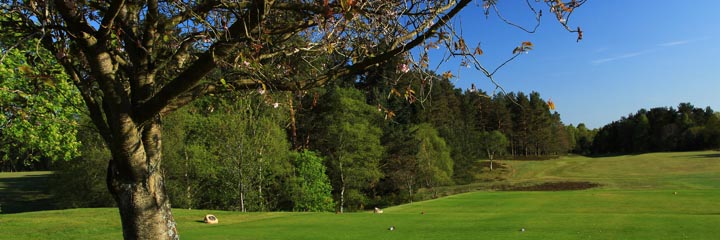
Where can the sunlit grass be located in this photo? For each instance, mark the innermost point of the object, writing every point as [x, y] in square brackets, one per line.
[650, 196]
[671, 171]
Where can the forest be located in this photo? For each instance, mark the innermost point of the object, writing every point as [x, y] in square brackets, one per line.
[661, 129]
[349, 145]
[263, 151]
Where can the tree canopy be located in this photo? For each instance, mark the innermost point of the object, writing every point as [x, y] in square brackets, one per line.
[40, 110]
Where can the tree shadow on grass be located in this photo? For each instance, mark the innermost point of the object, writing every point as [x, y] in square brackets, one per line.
[25, 194]
[705, 155]
[712, 155]
[551, 186]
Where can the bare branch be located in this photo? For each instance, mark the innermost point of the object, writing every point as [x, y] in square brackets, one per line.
[205, 63]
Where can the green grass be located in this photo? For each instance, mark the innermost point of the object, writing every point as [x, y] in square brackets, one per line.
[24, 191]
[666, 171]
[637, 201]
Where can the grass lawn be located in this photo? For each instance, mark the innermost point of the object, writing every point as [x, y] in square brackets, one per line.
[24, 191]
[637, 200]
[662, 171]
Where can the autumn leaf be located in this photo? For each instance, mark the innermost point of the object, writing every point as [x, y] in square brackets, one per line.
[517, 50]
[524, 47]
[389, 115]
[551, 104]
[424, 61]
[447, 75]
[478, 51]
[410, 95]
[394, 91]
[460, 45]
[442, 35]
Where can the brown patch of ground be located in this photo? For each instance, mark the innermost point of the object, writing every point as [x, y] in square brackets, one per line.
[533, 158]
[550, 186]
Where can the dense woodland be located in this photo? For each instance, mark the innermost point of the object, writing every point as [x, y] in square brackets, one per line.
[660, 129]
[375, 145]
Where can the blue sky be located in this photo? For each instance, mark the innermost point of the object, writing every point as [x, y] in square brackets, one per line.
[635, 54]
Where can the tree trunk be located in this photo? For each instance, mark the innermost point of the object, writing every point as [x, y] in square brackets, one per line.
[241, 189]
[342, 198]
[490, 156]
[188, 190]
[410, 190]
[135, 181]
[342, 188]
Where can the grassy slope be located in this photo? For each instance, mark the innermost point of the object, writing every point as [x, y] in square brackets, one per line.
[665, 171]
[635, 202]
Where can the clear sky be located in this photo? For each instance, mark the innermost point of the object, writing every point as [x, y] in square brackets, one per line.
[635, 54]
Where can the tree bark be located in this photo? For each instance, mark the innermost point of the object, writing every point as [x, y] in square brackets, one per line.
[490, 156]
[135, 181]
[342, 189]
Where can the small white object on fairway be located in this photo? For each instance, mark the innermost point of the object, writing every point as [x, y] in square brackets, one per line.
[391, 228]
[210, 219]
[522, 229]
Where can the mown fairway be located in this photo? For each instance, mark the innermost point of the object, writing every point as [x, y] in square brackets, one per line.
[637, 200]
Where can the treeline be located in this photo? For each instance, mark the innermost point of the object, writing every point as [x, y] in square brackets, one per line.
[686, 128]
[345, 147]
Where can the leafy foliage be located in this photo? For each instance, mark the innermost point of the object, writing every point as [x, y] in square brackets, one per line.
[229, 153]
[435, 167]
[311, 189]
[40, 110]
[349, 138]
[493, 142]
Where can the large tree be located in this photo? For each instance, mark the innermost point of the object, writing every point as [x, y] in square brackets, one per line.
[349, 138]
[134, 61]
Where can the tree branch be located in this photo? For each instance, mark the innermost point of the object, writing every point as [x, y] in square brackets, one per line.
[108, 21]
[193, 92]
[201, 67]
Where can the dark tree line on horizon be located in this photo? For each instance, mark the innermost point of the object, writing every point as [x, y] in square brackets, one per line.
[660, 129]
